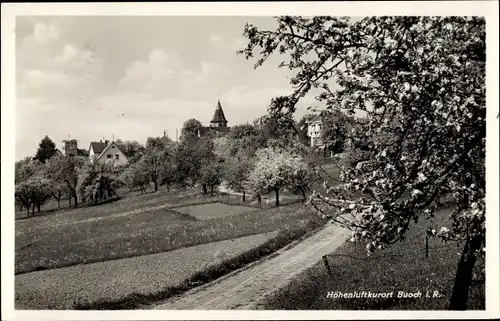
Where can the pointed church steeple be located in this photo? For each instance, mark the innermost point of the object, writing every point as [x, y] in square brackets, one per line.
[219, 120]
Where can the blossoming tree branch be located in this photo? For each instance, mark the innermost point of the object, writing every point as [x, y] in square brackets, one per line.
[420, 84]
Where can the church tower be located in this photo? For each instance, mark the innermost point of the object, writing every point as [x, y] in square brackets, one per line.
[219, 120]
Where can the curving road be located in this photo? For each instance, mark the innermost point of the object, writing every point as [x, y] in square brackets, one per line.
[244, 289]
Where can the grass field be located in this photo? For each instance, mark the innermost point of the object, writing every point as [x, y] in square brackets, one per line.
[214, 210]
[139, 226]
[402, 267]
[163, 243]
[116, 280]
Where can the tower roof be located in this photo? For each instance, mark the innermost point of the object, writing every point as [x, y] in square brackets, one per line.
[219, 114]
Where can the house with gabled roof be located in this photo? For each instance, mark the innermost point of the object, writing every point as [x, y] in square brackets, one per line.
[102, 152]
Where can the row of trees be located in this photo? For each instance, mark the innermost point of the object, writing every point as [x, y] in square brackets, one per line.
[36, 182]
[259, 158]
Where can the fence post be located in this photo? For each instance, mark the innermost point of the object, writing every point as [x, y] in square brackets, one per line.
[427, 246]
[325, 260]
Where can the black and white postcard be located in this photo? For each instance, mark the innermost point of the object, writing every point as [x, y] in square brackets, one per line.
[250, 160]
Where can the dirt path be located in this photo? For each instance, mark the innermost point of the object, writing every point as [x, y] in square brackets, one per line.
[245, 289]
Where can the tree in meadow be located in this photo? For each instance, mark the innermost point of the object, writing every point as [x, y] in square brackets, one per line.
[46, 149]
[194, 160]
[210, 174]
[87, 177]
[225, 147]
[35, 191]
[136, 175]
[236, 172]
[206, 164]
[26, 168]
[238, 156]
[31, 180]
[168, 168]
[65, 170]
[22, 196]
[20, 168]
[421, 83]
[152, 162]
[275, 169]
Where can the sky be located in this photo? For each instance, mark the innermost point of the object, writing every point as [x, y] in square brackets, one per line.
[96, 77]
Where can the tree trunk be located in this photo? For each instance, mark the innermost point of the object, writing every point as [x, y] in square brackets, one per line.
[168, 187]
[463, 277]
[277, 197]
[76, 198]
[155, 183]
[70, 198]
[205, 192]
[303, 193]
[33, 210]
[259, 198]
[38, 207]
[28, 210]
[244, 197]
[211, 190]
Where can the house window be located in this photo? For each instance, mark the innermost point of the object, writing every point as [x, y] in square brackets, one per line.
[109, 156]
[117, 156]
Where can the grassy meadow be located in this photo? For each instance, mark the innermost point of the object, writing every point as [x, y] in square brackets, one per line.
[117, 280]
[402, 267]
[82, 258]
[139, 226]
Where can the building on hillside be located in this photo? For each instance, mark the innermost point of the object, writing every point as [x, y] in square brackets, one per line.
[102, 152]
[218, 124]
[70, 148]
[314, 131]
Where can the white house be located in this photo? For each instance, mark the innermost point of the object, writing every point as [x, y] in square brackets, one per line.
[314, 129]
[102, 152]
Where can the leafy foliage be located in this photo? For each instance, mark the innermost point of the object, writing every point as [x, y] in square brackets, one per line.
[154, 143]
[336, 128]
[34, 191]
[133, 151]
[276, 168]
[189, 130]
[135, 175]
[46, 149]
[26, 168]
[65, 170]
[151, 162]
